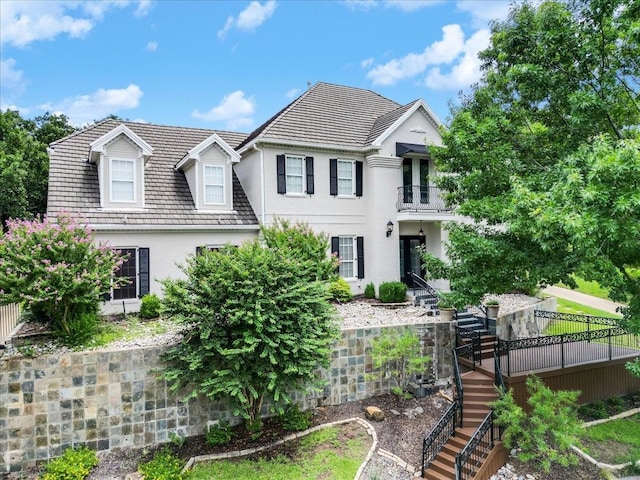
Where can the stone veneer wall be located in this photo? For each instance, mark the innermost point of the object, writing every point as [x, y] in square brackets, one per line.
[111, 399]
[518, 320]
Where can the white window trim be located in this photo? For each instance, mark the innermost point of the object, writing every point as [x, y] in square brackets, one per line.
[353, 178]
[205, 184]
[303, 191]
[135, 183]
[354, 261]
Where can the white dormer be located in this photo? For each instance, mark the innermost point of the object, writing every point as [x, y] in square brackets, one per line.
[120, 156]
[208, 170]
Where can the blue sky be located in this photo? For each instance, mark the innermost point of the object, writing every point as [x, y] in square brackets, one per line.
[232, 65]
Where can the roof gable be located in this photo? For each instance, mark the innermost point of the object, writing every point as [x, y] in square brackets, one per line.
[194, 153]
[98, 146]
[395, 119]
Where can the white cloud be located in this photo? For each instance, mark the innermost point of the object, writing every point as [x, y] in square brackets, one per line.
[483, 12]
[466, 71]
[441, 51]
[152, 46]
[11, 77]
[411, 5]
[361, 4]
[367, 62]
[222, 33]
[293, 93]
[84, 109]
[234, 109]
[143, 8]
[250, 18]
[24, 22]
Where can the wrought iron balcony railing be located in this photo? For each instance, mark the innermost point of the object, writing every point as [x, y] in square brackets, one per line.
[420, 198]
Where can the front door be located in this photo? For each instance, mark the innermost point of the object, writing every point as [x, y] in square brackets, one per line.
[410, 260]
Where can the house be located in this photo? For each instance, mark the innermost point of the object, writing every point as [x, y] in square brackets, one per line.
[347, 161]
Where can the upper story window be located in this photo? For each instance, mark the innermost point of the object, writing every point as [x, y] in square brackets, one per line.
[214, 185]
[123, 180]
[345, 177]
[295, 174]
[346, 184]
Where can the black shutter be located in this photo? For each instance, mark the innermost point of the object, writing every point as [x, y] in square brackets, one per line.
[105, 297]
[358, 179]
[143, 262]
[333, 176]
[309, 168]
[199, 250]
[360, 250]
[282, 179]
[335, 249]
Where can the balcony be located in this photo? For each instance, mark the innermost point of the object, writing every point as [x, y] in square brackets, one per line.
[420, 199]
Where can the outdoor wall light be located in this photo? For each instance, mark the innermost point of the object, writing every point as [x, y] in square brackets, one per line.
[421, 232]
[389, 228]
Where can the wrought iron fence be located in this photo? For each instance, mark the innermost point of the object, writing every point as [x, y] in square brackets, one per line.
[440, 435]
[476, 449]
[471, 338]
[420, 197]
[566, 349]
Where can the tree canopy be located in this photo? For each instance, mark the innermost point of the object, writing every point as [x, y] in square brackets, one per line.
[544, 155]
[24, 163]
[258, 319]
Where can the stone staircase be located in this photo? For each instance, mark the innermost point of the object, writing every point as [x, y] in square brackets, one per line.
[478, 393]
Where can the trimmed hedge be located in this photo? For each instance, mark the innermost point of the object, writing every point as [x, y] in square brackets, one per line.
[392, 292]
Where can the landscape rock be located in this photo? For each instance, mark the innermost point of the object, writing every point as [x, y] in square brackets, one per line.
[374, 413]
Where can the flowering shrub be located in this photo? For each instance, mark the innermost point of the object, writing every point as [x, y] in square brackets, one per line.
[55, 270]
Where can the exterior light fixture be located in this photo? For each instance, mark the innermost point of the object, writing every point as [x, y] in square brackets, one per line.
[421, 232]
[389, 228]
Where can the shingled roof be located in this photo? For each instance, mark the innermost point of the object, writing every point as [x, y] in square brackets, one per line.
[73, 182]
[329, 114]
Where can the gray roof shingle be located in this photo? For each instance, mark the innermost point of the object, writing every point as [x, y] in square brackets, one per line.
[327, 114]
[73, 182]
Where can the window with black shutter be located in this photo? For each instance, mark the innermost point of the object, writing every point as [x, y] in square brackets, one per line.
[350, 252]
[294, 174]
[135, 270]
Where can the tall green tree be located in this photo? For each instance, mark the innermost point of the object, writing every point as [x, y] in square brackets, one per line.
[258, 319]
[542, 155]
[24, 163]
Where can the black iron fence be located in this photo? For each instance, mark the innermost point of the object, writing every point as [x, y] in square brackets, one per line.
[420, 197]
[573, 340]
[440, 434]
[477, 449]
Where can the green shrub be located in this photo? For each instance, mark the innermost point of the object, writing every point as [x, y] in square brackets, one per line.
[218, 434]
[596, 410]
[397, 355]
[293, 419]
[340, 290]
[150, 306]
[545, 435]
[392, 292]
[81, 328]
[370, 291]
[164, 466]
[74, 464]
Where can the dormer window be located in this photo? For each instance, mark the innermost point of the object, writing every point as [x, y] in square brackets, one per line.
[120, 156]
[207, 168]
[123, 180]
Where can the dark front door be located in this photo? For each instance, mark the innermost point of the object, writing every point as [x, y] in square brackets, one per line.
[409, 258]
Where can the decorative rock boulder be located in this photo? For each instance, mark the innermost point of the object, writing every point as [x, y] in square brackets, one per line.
[374, 413]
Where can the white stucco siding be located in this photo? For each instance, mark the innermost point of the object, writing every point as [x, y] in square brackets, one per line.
[167, 250]
[249, 174]
[416, 129]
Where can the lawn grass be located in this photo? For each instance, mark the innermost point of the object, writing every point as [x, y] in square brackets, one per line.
[567, 306]
[321, 455]
[624, 432]
[590, 288]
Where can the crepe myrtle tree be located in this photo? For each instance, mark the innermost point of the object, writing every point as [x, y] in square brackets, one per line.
[259, 323]
[55, 269]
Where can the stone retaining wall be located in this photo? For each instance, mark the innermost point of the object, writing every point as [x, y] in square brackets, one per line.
[111, 399]
[514, 325]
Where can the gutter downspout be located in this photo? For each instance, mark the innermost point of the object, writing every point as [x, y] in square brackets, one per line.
[262, 190]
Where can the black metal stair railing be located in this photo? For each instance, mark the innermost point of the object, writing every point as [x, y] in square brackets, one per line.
[446, 427]
[476, 450]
